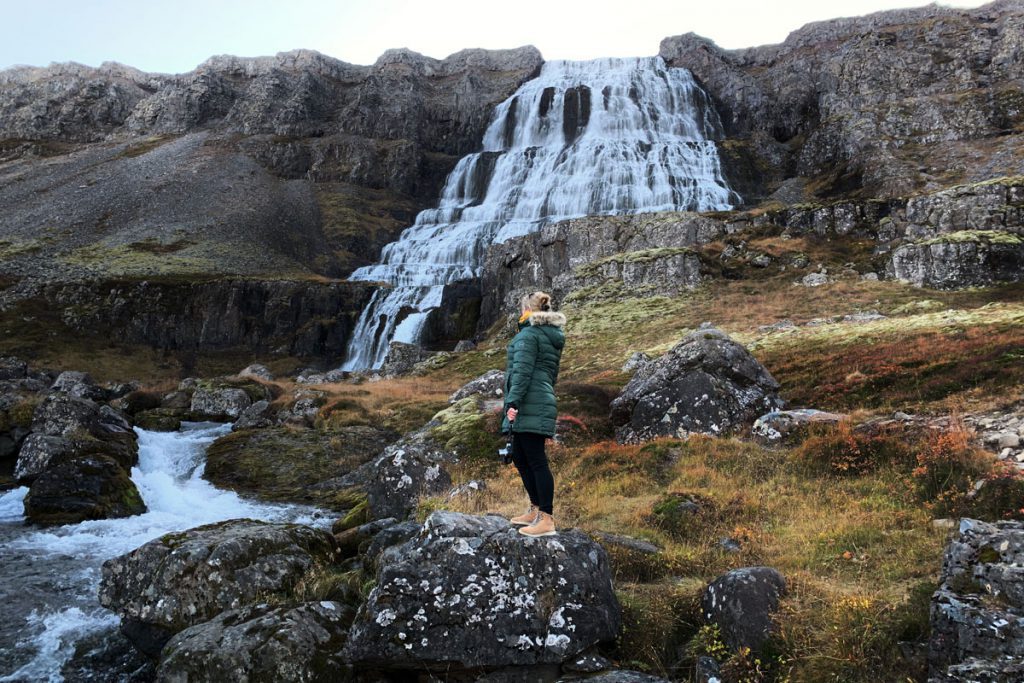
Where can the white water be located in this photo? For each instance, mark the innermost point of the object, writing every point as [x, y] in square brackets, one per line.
[647, 144]
[51, 576]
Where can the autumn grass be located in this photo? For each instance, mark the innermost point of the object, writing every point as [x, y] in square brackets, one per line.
[857, 540]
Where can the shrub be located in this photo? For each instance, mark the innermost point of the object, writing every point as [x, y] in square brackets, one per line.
[948, 464]
[842, 449]
[1001, 495]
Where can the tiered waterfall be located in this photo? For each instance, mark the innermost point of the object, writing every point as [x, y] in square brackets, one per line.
[608, 136]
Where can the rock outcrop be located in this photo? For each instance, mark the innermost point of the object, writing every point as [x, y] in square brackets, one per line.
[707, 384]
[961, 259]
[261, 643]
[470, 593]
[977, 614]
[187, 578]
[883, 104]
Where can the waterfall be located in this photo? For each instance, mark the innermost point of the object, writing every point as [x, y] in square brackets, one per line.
[607, 136]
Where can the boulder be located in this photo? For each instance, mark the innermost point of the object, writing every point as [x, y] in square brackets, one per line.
[258, 415]
[303, 410]
[410, 468]
[177, 400]
[636, 360]
[402, 358]
[160, 419]
[471, 593]
[257, 371]
[777, 425]
[82, 488]
[12, 368]
[741, 603]
[706, 384]
[977, 614]
[60, 414]
[186, 578]
[491, 384]
[36, 454]
[80, 385]
[261, 643]
[289, 465]
[220, 404]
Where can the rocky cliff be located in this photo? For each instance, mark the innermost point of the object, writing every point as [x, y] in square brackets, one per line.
[295, 163]
[884, 104]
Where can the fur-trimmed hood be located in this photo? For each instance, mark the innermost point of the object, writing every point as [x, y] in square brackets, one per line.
[547, 318]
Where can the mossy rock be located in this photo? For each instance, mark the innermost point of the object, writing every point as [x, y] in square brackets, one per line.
[160, 420]
[82, 488]
[285, 464]
[981, 236]
[18, 415]
[466, 429]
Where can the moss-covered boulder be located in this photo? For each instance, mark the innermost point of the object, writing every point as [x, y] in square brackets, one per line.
[82, 488]
[287, 464]
[160, 419]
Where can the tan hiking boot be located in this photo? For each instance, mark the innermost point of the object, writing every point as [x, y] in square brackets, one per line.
[527, 518]
[544, 526]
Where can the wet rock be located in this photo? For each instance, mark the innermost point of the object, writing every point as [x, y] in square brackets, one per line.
[37, 452]
[706, 384]
[491, 384]
[779, 424]
[187, 578]
[160, 419]
[471, 592]
[257, 371]
[82, 488]
[586, 664]
[220, 404]
[977, 614]
[261, 643]
[741, 603]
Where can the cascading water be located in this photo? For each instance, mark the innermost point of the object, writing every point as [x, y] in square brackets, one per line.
[50, 578]
[608, 136]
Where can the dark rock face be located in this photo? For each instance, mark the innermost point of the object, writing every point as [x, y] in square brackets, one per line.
[961, 259]
[977, 614]
[842, 99]
[471, 593]
[706, 384]
[287, 644]
[295, 317]
[84, 487]
[646, 253]
[741, 603]
[186, 578]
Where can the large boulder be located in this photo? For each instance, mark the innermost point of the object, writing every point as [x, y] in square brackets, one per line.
[741, 604]
[221, 404]
[79, 384]
[471, 593]
[413, 467]
[65, 425]
[82, 488]
[490, 385]
[961, 259]
[261, 643]
[977, 614]
[186, 578]
[706, 384]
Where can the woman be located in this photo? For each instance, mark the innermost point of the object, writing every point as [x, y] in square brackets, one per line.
[530, 411]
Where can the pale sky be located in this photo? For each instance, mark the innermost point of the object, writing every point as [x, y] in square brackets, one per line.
[175, 36]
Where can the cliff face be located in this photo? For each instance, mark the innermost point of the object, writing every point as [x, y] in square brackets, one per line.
[309, 163]
[881, 105]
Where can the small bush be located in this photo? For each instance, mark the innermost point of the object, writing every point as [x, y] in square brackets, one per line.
[948, 464]
[1001, 495]
[842, 449]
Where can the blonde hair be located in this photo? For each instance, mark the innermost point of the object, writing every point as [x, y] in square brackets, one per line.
[538, 301]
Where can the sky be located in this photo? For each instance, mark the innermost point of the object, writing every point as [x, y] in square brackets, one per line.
[174, 36]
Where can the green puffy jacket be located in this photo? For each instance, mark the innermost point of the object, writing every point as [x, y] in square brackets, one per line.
[531, 370]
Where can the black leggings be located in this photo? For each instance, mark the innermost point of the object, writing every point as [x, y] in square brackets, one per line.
[532, 463]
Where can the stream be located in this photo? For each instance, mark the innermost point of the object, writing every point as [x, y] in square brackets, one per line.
[49, 577]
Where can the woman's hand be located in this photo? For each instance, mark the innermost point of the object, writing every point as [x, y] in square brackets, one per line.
[511, 414]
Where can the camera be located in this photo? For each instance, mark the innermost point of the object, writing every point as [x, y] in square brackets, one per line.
[505, 453]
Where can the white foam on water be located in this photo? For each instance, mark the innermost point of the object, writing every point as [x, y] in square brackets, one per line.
[169, 478]
[600, 137]
[56, 644]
